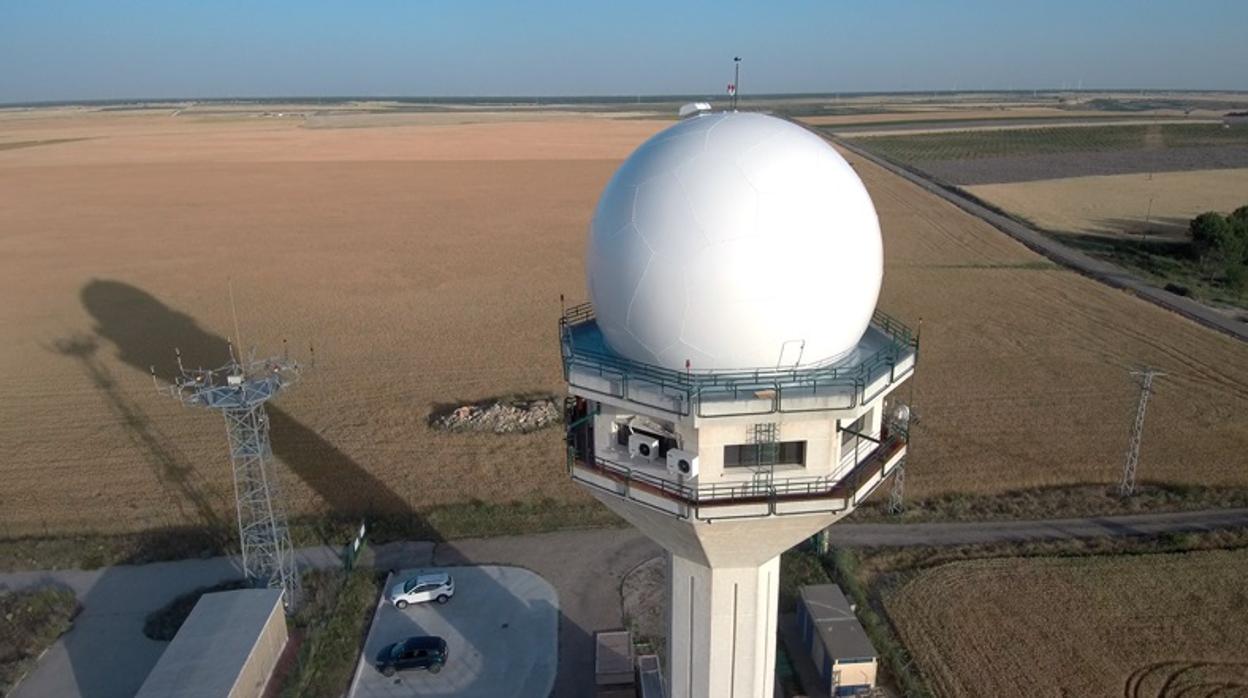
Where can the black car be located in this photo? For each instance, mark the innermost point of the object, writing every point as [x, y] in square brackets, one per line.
[423, 652]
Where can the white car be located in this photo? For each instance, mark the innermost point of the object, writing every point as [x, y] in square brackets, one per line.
[427, 586]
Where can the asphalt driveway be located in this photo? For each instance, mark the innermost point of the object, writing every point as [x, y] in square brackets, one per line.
[501, 630]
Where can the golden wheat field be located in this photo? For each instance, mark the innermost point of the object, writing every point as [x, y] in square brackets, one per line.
[425, 263]
[1149, 203]
[1139, 626]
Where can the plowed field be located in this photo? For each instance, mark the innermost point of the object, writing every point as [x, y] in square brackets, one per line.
[1138, 626]
[426, 263]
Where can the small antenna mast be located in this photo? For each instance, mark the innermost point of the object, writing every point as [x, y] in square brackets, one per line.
[736, 80]
[238, 337]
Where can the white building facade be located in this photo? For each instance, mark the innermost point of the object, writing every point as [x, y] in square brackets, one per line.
[773, 458]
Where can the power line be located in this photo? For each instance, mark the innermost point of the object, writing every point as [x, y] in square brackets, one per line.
[897, 496]
[1146, 375]
[907, 417]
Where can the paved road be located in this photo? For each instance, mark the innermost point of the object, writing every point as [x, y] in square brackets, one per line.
[1000, 124]
[1043, 244]
[1004, 531]
[107, 655]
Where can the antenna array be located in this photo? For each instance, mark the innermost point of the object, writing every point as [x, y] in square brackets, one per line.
[239, 390]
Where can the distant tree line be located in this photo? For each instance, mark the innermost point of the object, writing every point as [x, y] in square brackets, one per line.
[1220, 244]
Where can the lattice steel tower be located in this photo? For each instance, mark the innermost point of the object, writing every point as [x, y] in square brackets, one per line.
[239, 390]
[1146, 375]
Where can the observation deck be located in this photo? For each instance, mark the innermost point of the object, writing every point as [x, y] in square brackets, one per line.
[824, 479]
[886, 354]
[708, 502]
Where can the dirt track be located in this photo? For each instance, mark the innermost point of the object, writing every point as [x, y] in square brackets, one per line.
[426, 264]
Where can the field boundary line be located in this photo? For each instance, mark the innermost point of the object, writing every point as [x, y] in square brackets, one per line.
[1035, 240]
[1002, 531]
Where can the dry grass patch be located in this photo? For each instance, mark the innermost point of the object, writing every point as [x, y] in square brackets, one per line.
[30, 621]
[1143, 625]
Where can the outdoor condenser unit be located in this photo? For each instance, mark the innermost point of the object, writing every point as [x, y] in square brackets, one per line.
[643, 446]
[682, 463]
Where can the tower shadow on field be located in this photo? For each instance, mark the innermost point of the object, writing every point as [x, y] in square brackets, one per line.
[170, 465]
[145, 332]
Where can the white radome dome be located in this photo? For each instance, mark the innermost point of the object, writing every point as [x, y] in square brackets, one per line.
[733, 241]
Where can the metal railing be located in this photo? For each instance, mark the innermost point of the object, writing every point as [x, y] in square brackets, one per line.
[690, 385]
[746, 492]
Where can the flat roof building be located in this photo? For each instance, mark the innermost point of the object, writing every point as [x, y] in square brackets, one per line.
[838, 645]
[227, 648]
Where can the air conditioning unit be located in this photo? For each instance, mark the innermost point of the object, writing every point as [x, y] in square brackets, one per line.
[694, 108]
[682, 463]
[643, 446]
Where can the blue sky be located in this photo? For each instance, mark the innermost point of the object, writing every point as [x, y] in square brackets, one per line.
[75, 49]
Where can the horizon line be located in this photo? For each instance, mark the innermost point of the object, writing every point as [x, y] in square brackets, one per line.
[641, 98]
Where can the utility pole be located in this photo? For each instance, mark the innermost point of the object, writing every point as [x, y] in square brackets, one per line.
[1148, 215]
[1146, 375]
[906, 419]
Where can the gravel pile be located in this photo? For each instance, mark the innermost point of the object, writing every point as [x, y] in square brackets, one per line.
[501, 417]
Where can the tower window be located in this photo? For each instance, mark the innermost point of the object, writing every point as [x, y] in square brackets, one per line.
[754, 455]
[858, 426]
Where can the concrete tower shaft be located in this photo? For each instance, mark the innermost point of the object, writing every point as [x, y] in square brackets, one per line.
[723, 596]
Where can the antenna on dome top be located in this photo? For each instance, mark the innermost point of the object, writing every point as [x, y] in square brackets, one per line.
[735, 87]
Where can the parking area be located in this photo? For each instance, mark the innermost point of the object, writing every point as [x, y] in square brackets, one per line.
[501, 630]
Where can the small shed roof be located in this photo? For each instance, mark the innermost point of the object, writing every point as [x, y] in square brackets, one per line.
[614, 656]
[212, 646]
[839, 630]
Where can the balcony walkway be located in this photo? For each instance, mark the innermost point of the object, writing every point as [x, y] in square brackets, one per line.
[844, 491]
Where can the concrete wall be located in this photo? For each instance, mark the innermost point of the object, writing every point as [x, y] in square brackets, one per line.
[258, 669]
[721, 634]
[855, 674]
[816, 430]
[227, 647]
